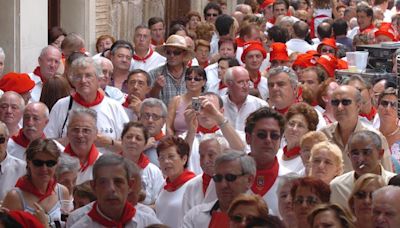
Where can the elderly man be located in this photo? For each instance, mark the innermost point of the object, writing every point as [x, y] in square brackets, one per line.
[298, 43]
[364, 150]
[2, 59]
[49, 61]
[105, 78]
[111, 116]
[168, 80]
[157, 31]
[11, 168]
[386, 207]
[234, 174]
[238, 104]
[144, 57]
[346, 105]
[112, 182]
[11, 109]
[138, 86]
[120, 55]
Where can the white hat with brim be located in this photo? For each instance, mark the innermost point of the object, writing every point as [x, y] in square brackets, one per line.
[176, 41]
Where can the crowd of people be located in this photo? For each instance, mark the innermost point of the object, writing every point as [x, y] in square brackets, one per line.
[233, 119]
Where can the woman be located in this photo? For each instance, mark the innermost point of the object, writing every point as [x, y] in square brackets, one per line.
[67, 172]
[360, 200]
[246, 209]
[173, 155]
[326, 161]
[285, 202]
[104, 42]
[56, 36]
[39, 185]
[193, 19]
[307, 193]
[389, 123]
[306, 144]
[300, 119]
[134, 139]
[202, 52]
[54, 88]
[330, 215]
[195, 79]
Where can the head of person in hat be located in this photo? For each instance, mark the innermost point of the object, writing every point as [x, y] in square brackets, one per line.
[20, 83]
[279, 55]
[176, 50]
[327, 46]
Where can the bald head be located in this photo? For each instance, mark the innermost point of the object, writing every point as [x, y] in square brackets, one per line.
[386, 207]
[300, 29]
[35, 119]
[189, 42]
[234, 72]
[49, 61]
[324, 30]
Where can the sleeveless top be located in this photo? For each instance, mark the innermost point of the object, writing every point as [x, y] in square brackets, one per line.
[179, 121]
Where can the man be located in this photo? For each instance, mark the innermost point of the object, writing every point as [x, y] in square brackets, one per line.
[324, 30]
[110, 114]
[49, 61]
[168, 80]
[120, 55]
[157, 31]
[11, 168]
[144, 57]
[81, 134]
[112, 182]
[219, 86]
[238, 104]
[138, 86]
[104, 79]
[264, 130]
[279, 8]
[11, 109]
[385, 207]
[234, 174]
[365, 22]
[211, 12]
[339, 28]
[346, 101]
[17, 82]
[364, 150]
[2, 59]
[311, 78]
[247, 33]
[298, 43]
[380, 84]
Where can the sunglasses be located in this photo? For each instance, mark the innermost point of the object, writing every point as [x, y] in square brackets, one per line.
[175, 53]
[40, 163]
[344, 102]
[272, 135]
[248, 219]
[363, 195]
[385, 104]
[324, 50]
[228, 177]
[196, 79]
[211, 14]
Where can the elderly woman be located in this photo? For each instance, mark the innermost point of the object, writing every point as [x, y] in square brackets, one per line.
[360, 200]
[246, 209]
[389, 123]
[67, 172]
[300, 119]
[326, 161]
[195, 79]
[104, 42]
[306, 144]
[285, 202]
[38, 190]
[307, 193]
[134, 139]
[173, 153]
[330, 215]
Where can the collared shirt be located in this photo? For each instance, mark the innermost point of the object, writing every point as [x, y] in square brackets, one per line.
[199, 216]
[298, 45]
[11, 168]
[114, 93]
[37, 90]
[154, 61]
[152, 182]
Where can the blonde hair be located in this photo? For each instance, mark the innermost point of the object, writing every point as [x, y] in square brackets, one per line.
[332, 148]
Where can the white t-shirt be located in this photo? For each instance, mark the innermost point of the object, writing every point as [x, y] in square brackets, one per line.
[11, 168]
[37, 90]
[153, 180]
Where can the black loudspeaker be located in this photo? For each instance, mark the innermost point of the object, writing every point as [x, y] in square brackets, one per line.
[380, 58]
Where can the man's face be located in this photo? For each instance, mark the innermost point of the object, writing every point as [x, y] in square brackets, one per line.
[364, 156]
[348, 108]
[281, 92]
[253, 60]
[280, 9]
[211, 16]
[174, 56]
[85, 80]
[365, 94]
[121, 59]
[10, 109]
[209, 150]
[239, 85]
[50, 62]
[265, 139]
[202, 53]
[152, 119]
[310, 80]
[327, 50]
[81, 133]
[363, 20]
[137, 85]
[107, 69]
[34, 121]
[227, 50]
[385, 212]
[1, 66]
[157, 31]
[142, 38]
[203, 118]
[223, 66]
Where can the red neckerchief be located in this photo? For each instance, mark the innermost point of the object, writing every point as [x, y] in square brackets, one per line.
[314, 103]
[127, 215]
[78, 99]
[179, 181]
[312, 25]
[159, 136]
[370, 116]
[38, 73]
[328, 121]
[143, 161]
[153, 42]
[204, 65]
[126, 103]
[201, 129]
[221, 85]
[138, 58]
[240, 42]
[257, 81]
[92, 157]
[265, 178]
[367, 29]
[272, 20]
[282, 111]
[292, 152]
[189, 64]
[219, 219]
[26, 185]
[21, 140]
[206, 181]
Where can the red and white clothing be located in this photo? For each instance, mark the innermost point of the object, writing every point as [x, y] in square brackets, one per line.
[131, 115]
[371, 118]
[11, 169]
[37, 90]
[152, 179]
[150, 61]
[200, 216]
[212, 76]
[261, 84]
[294, 165]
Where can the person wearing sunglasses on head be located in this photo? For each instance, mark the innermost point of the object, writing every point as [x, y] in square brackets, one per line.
[346, 102]
[247, 209]
[234, 175]
[38, 190]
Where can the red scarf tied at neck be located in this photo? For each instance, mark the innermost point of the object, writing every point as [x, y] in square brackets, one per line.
[26, 185]
[265, 179]
[370, 116]
[172, 186]
[92, 156]
[143, 161]
[21, 140]
[127, 215]
[38, 73]
[201, 129]
[78, 99]
[292, 152]
[140, 59]
[206, 181]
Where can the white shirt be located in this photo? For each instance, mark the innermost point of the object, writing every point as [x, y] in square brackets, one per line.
[262, 87]
[11, 168]
[86, 175]
[212, 76]
[199, 216]
[298, 45]
[155, 60]
[114, 93]
[294, 165]
[152, 181]
[18, 151]
[37, 90]
[375, 123]
[238, 117]
[110, 119]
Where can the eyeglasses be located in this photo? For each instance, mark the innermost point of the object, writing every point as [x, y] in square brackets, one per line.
[2, 139]
[326, 50]
[309, 200]
[81, 77]
[175, 53]
[344, 102]
[363, 195]
[385, 104]
[248, 219]
[228, 177]
[211, 14]
[40, 163]
[77, 130]
[196, 79]
[365, 152]
[272, 135]
[154, 116]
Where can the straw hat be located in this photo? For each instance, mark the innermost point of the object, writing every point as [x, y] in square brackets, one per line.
[176, 41]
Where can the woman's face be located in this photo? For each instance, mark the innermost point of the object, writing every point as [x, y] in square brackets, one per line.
[285, 202]
[387, 109]
[202, 53]
[171, 164]
[194, 82]
[104, 44]
[193, 22]
[295, 128]
[324, 165]
[42, 166]
[326, 219]
[133, 142]
[305, 200]
[363, 201]
[242, 215]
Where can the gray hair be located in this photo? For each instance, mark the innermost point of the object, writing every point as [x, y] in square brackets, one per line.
[223, 143]
[131, 169]
[290, 177]
[47, 48]
[286, 19]
[247, 163]
[294, 80]
[19, 97]
[2, 54]
[86, 62]
[154, 102]
[356, 77]
[66, 164]
[4, 126]
[229, 75]
[386, 190]
[99, 60]
[366, 136]
[82, 111]
[42, 105]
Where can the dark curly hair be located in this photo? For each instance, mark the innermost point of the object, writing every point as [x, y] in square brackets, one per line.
[263, 113]
[307, 111]
[182, 147]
